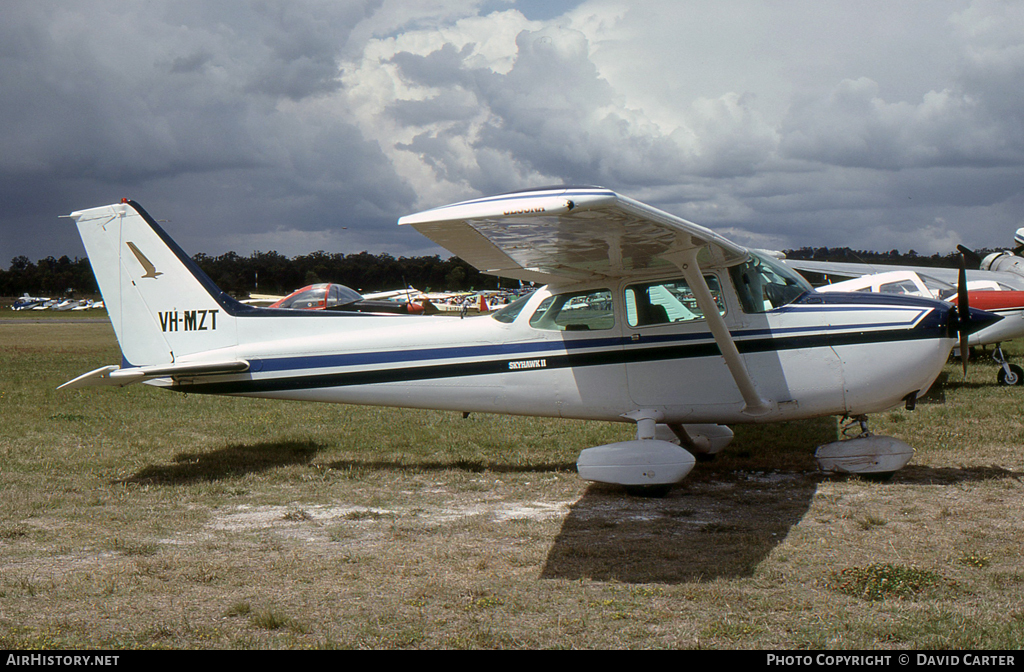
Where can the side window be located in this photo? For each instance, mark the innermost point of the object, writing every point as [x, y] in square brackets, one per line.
[667, 302]
[899, 287]
[579, 311]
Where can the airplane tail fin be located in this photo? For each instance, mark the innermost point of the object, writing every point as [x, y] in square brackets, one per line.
[161, 304]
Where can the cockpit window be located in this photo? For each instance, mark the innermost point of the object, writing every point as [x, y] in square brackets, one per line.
[509, 313]
[903, 287]
[579, 311]
[311, 298]
[764, 284]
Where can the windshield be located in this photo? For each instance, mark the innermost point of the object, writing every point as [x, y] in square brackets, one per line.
[764, 284]
[941, 290]
[509, 313]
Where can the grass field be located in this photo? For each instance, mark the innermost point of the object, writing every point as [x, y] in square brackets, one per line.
[139, 518]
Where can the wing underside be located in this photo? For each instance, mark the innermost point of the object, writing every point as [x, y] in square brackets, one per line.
[566, 235]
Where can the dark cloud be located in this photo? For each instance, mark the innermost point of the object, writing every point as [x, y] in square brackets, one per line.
[267, 123]
[215, 114]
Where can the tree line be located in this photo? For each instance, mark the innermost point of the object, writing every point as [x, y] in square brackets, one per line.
[274, 273]
[892, 258]
[268, 273]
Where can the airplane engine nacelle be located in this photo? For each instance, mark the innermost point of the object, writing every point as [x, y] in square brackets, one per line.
[1003, 261]
[638, 462]
[865, 454]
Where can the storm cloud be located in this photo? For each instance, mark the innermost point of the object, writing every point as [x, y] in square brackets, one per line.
[297, 126]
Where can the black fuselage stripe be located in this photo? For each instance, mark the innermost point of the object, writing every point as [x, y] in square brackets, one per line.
[628, 355]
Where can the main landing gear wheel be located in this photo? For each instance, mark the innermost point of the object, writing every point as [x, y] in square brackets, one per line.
[1014, 377]
[655, 491]
[879, 477]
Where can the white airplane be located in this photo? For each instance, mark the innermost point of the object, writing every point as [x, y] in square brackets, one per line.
[671, 326]
[69, 304]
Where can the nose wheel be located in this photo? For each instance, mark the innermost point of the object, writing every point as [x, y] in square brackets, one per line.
[1009, 374]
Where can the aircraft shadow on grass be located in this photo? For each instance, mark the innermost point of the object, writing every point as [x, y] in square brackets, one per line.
[724, 520]
[700, 532]
[721, 523]
[228, 462]
[705, 530]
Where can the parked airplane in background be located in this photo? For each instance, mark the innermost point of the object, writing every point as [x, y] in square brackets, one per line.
[27, 302]
[332, 296]
[645, 318]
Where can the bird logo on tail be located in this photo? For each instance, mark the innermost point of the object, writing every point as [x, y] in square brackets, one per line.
[151, 271]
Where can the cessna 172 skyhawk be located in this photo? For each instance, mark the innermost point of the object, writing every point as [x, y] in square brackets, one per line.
[645, 317]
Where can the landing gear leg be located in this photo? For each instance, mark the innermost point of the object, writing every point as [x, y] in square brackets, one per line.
[1009, 374]
[862, 422]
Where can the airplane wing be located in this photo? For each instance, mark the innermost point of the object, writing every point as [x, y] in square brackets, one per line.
[563, 235]
[947, 275]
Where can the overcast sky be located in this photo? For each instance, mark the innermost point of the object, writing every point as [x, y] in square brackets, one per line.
[299, 126]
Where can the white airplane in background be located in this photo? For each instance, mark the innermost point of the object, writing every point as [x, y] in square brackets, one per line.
[645, 318]
[27, 302]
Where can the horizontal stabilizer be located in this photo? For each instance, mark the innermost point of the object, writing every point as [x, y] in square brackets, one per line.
[115, 375]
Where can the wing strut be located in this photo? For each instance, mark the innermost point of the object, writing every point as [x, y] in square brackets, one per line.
[686, 260]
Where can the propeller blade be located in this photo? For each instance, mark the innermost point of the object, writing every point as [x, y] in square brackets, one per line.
[969, 254]
[963, 312]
